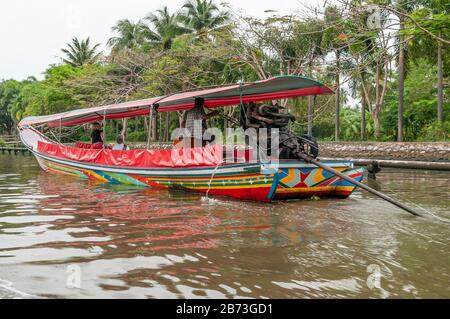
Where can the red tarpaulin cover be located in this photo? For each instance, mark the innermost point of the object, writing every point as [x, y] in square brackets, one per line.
[190, 157]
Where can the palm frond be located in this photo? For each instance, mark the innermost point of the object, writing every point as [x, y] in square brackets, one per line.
[79, 52]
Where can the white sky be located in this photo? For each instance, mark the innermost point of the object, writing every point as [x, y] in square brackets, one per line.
[32, 33]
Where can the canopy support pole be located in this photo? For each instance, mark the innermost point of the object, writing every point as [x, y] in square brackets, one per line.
[160, 133]
[104, 128]
[149, 126]
[154, 123]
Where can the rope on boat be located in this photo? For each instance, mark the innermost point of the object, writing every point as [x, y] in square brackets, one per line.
[212, 177]
[56, 139]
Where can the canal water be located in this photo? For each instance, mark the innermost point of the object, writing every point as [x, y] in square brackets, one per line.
[66, 238]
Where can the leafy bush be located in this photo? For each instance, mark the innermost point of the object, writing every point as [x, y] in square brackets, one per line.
[137, 137]
[436, 132]
[2, 142]
[111, 135]
[420, 105]
[350, 124]
[323, 129]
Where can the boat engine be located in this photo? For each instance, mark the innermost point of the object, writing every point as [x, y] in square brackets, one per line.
[271, 116]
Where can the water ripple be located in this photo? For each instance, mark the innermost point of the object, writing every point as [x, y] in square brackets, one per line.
[130, 242]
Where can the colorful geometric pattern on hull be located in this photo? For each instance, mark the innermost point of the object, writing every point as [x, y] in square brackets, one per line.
[307, 182]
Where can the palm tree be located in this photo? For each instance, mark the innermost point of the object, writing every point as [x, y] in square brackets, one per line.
[166, 27]
[401, 75]
[305, 48]
[403, 7]
[80, 53]
[202, 15]
[130, 35]
[332, 41]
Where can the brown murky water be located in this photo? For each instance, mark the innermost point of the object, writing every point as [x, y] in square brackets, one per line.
[114, 241]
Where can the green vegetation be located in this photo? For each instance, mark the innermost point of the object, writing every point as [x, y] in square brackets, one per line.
[357, 51]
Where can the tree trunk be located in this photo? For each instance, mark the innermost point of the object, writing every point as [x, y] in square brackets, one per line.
[154, 124]
[440, 85]
[338, 98]
[281, 62]
[124, 128]
[166, 128]
[376, 110]
[160, 135]
[180, 117]
[401, 84]
[377, 125]
[311, 101]
[363, 118]
[148, 128]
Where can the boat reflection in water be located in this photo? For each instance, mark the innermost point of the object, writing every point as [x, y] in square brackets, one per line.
[138, 233]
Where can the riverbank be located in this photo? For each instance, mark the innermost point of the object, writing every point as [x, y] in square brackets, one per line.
[406, 151]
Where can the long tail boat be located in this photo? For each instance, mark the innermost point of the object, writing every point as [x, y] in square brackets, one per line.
[208, 173]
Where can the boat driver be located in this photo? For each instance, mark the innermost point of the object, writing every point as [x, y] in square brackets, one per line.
[97, 133]
[194, 120]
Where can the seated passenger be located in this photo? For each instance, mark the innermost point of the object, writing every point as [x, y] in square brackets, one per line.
[120, 146]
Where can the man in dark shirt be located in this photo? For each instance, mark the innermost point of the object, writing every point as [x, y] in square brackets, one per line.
[97, 133]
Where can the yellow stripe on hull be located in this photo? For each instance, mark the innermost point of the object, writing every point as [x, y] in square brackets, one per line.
[218, 187]
[314, 189]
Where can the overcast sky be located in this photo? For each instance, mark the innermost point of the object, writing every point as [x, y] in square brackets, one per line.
[33, 32]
